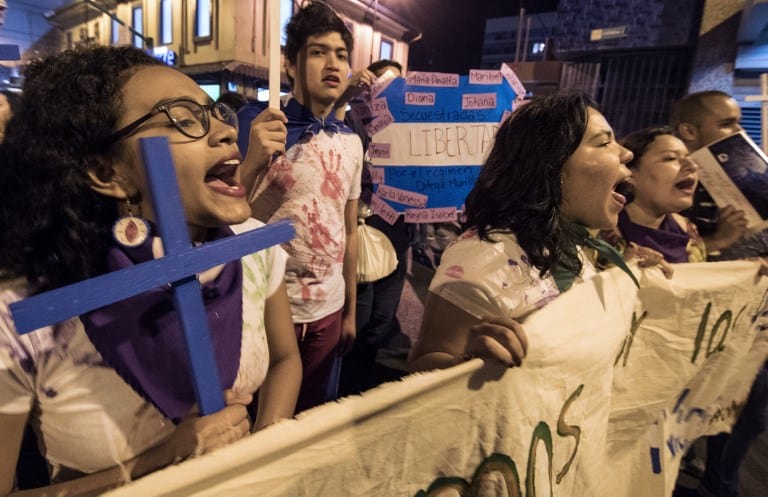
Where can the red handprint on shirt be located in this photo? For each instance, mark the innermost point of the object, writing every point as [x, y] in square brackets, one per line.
[333, 184]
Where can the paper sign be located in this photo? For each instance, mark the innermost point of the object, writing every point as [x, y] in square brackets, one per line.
[383, 210]
[361, 110]
[442, 143]
[432, 79]
[519, 103]
[448, 184]
[484, 77]
[379, 106]
[419, 98]
[402, 196]
[377, 175]
[437, 147]
[478, 101]
[382, 82]
[440, 215]
[379, 123]
[513, 81]
[379, 150]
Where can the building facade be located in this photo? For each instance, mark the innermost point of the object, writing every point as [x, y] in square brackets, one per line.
[222, 44]
[25, 26]
[636, 57]
[507, 39]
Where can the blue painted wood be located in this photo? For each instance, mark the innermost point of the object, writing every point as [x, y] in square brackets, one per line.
[169, 213]
[178, 268]
[72, 300]
[197, 338]
[166, 197]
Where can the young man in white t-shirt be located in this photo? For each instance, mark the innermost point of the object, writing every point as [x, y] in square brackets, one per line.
[304, 164]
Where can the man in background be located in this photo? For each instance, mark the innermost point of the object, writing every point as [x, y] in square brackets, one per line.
[700, 119]
[303, 164]
[377, 301]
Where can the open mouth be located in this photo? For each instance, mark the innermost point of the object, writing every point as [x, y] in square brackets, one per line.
[332, 80]
[625, 190]
[222, 178]
[687, 185]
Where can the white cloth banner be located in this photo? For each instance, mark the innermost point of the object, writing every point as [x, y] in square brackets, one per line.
[617, 383]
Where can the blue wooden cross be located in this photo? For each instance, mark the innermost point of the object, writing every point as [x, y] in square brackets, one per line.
[178, 268]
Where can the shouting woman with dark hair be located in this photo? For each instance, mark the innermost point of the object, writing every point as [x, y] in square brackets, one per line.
[553, 172]
[106, 392]
[664, 180]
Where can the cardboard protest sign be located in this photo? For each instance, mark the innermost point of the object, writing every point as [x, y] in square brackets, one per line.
[735, 172]
[430, 134]
[616, 384]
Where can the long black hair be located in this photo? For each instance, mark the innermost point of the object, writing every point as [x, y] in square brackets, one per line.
[54, 229]
[519, 187]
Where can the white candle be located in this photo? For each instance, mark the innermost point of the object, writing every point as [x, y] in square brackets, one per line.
[274, 53]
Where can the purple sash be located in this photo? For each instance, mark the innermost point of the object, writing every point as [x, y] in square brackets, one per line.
[141, 337]
[669, 238]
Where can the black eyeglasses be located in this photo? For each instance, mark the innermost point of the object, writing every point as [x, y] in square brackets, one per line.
[186, 115]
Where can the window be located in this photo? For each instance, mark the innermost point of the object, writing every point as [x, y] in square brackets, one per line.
[385, 51]
[115, 31]
[203, 19]
[286, 11]
[166, 22]
[750, 121]
[213, 90]
[538, 48]
[69, 40]
[137, 23]
[97, 31]
[262, 94]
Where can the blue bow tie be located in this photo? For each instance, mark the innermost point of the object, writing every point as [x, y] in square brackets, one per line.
[301, 122]
[329, 124]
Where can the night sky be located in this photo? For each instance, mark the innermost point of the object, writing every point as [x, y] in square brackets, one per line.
[453, 29]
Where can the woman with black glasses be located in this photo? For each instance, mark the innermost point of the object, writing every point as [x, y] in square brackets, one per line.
[76, 204]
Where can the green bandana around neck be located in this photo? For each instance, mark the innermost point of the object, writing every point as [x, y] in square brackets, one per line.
[564, 277]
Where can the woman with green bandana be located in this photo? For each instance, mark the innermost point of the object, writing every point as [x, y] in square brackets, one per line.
[554, 172]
